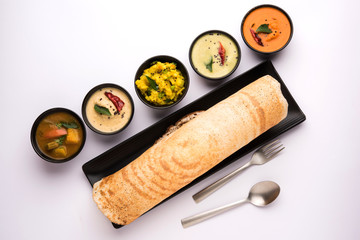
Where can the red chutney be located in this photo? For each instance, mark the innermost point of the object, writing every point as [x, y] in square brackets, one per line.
[277, 22]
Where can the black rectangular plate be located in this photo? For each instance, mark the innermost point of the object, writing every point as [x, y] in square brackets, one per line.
[125, 152]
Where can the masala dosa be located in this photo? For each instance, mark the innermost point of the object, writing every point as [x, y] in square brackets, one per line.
[190, 151]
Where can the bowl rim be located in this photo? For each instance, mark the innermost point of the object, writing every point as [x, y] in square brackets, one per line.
[147, 64]
[221, 32]
[34, 128]
[271, 6]
[90, 93]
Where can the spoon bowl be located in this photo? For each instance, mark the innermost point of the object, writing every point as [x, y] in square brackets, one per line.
[260, 195]
[263, 193]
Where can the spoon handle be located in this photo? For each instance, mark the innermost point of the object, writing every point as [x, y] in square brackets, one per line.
[189, 221]
[204, 193]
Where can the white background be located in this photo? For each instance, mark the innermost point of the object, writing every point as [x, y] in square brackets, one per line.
[53, 52]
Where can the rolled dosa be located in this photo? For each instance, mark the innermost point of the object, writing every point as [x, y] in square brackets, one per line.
[190, 151]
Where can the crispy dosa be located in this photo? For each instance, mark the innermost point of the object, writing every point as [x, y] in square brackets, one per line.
[190, 151]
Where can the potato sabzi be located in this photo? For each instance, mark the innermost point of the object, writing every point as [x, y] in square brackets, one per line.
[161, 84]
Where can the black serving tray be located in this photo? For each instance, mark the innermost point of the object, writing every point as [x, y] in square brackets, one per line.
[128, 150]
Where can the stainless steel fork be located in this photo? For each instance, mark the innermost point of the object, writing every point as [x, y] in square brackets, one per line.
[259, 157]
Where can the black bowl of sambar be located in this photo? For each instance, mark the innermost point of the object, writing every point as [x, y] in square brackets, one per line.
[58, 135]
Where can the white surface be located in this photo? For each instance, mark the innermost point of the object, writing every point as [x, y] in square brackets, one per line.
[53, 52]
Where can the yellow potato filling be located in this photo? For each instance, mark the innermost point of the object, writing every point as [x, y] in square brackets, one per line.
[161, 84]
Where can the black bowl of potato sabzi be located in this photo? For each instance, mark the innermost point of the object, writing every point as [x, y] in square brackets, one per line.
[161, 82]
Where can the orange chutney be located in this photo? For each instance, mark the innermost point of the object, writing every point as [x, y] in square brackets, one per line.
[277, 22]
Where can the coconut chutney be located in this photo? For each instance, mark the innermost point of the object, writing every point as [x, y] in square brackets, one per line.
[105, 114]
[214, 55]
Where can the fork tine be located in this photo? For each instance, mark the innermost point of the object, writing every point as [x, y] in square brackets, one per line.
[272, 148]
[265, 147]
[275, 153]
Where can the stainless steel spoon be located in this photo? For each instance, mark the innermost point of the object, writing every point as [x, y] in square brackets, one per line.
[261, 194]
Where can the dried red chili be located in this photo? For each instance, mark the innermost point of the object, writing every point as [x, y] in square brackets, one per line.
[115, 100]
[222, 53]
[256, 37]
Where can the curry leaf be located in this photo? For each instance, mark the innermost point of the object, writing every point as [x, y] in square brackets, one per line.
[102, 110]
[209, 64]
[264, 28]
[69, 125]
[153, 84]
